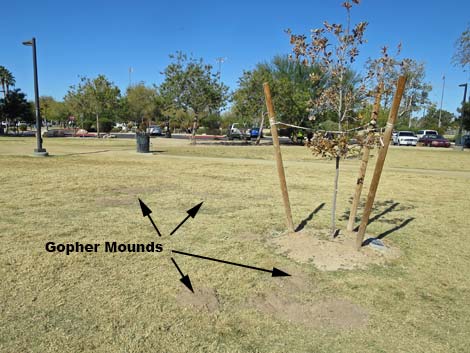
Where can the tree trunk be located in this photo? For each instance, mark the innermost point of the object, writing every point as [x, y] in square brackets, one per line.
[335, 194]
[193, 133]
[97, 126]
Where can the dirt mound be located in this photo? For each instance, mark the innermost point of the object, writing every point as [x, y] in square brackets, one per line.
[202, 299]
[332, 313]
[331, 254]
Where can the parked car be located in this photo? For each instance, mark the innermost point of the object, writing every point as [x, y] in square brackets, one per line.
[434, 141]
[154, 130]
[235, 133]
[421, 133]
[254, 132]
[407, 138]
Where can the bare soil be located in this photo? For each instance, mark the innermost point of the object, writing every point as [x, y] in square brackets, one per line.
[328, 254]
[202, 299]
[331, 313]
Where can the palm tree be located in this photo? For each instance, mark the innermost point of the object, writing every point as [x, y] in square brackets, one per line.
[6, 80]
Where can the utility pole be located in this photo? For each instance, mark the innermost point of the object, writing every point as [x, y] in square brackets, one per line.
[461, 114]
[442, 98]
[130, 75]
[220, 60]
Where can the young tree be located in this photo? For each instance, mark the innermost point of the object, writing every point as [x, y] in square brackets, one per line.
[190, 85]
[334, 48]
[6, 80]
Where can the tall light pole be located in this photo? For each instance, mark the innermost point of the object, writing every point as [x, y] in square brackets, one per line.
[220, 60]
[39, 151]
[461, 114]
[131, 70]
[442, 98]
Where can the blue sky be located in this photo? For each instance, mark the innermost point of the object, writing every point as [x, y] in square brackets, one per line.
[101, 36]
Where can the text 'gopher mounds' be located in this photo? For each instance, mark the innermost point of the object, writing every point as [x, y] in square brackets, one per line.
[112, 247]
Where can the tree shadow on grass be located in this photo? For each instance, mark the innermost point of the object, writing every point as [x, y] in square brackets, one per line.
[309, 217]
[388, 232]
[394, 229]
[381, 209]
[381, 214]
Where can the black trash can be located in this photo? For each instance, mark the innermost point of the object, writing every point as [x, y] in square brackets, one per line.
[143, 142]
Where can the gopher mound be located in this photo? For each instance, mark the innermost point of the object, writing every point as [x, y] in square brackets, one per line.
[330, 313]
[332, 254]
[204, 299]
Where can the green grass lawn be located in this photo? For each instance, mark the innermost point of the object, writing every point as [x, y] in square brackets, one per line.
[87, 191]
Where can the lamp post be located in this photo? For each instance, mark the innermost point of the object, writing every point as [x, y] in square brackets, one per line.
[461, 114]
[39, 151]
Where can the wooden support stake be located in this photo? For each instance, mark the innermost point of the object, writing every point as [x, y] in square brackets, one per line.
[364, 162]
[278, 156]
[392, 117]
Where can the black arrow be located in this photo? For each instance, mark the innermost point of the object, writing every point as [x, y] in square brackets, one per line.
[146, 213]
[275, 272]
[191, 213]
[184, 278]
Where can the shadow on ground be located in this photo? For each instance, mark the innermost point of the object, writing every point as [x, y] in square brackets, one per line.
[309, 217]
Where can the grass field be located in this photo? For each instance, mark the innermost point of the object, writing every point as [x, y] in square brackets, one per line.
[87, 191]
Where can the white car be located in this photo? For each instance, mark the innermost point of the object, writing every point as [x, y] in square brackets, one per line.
[420, 134]
[407, 138]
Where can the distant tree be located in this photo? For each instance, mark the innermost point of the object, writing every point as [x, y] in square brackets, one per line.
[416, 94]
[431, 119]
[291, 90]
[6, 80]
[94, 97]
[190, 85]
[248, 99]
[142, 102]
[14, 108]
[52, 110]
[461, 56]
